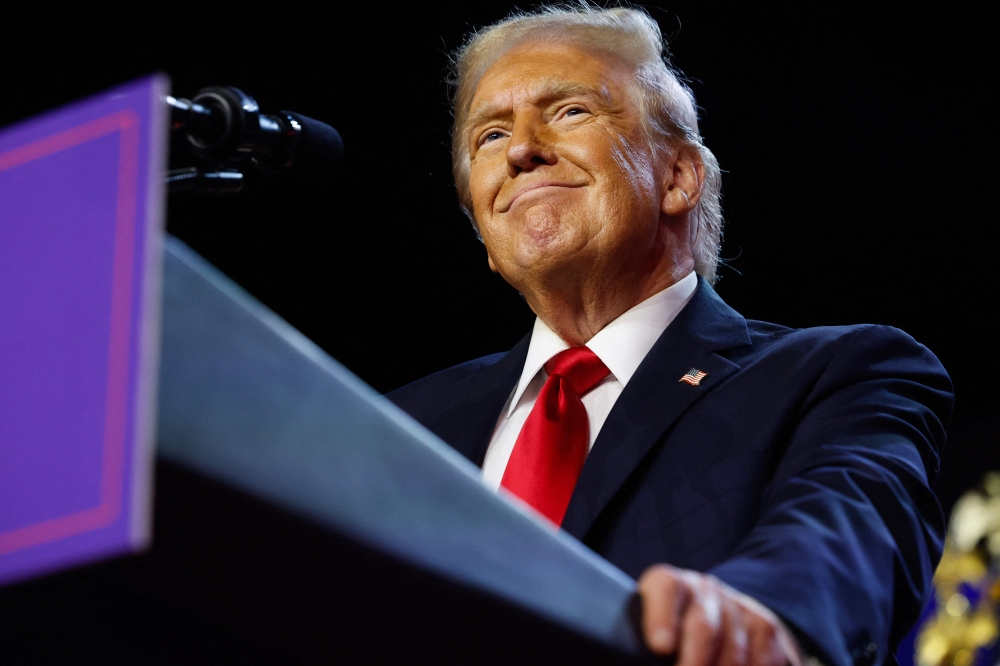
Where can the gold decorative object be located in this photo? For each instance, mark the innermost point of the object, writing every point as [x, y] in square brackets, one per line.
[964, 629]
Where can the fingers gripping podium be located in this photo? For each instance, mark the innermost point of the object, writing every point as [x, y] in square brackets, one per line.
[247, 400]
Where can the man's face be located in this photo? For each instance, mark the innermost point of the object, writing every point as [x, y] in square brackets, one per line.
[561, 179]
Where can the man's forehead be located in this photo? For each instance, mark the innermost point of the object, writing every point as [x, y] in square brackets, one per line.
[536, 90]
[538, 80]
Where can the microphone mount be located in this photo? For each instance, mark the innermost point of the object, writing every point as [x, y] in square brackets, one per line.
[224, 127]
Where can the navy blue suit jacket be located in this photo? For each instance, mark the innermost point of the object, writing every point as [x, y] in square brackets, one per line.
[798, 472]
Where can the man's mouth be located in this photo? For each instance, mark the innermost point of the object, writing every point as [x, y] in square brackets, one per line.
[543, 185]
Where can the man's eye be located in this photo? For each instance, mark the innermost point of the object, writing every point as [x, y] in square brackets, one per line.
[575, 111]
[492, 136]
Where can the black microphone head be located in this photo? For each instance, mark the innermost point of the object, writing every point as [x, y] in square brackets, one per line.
[318, 142]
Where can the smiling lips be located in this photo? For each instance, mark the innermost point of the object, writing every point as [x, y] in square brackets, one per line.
[531, 188]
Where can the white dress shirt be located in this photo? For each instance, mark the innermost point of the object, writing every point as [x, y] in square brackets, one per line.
[621, 345]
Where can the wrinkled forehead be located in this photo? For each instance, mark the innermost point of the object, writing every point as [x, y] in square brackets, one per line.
[542, 73]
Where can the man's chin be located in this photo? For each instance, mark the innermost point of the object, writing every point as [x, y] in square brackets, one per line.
[542, 228]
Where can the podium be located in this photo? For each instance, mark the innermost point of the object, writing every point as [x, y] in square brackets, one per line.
[300, 517]
[249, 401]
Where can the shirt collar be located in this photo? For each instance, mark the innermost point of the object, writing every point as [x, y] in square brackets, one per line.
[621, 345]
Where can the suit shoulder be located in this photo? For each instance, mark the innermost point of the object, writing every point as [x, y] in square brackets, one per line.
[439, 383]
[870, 348]
[768, 334]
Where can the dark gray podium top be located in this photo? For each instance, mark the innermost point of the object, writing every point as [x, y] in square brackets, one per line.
[248, 400]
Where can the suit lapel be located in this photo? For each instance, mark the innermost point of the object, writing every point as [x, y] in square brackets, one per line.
[467, 420]
[655, 398]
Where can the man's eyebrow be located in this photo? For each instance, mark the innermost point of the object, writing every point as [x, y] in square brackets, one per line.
[546, 91]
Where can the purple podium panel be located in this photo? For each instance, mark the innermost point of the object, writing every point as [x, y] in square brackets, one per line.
[81, 234]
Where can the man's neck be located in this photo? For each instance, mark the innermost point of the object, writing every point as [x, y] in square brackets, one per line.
[576, 315]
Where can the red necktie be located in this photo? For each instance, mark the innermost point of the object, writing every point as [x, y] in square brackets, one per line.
[552, 446]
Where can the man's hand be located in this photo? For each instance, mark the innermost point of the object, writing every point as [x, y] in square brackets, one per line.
[707, 623]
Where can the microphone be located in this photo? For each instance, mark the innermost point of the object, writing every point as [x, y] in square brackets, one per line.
[224, 126]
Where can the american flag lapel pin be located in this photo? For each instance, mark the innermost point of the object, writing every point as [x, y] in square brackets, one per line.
[693, 376]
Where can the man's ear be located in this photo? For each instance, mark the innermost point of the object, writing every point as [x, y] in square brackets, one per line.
[684, 180]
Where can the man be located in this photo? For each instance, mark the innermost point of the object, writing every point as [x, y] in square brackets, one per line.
[769, 487]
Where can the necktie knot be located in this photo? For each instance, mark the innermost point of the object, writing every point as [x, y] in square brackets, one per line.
[579, 367]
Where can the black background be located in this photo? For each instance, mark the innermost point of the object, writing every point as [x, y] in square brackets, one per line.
[857, 145]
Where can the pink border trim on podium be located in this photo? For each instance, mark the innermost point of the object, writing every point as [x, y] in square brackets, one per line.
[116, 399]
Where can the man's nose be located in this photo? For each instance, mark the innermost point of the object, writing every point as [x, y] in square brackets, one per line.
[528, 147]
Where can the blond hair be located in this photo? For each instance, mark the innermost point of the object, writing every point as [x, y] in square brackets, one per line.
[666, 104]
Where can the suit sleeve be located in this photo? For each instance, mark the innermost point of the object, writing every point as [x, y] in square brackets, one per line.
[849, 531]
